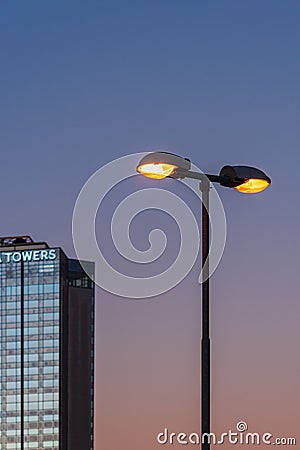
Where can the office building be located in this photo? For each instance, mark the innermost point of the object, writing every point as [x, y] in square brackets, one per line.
[46, 348]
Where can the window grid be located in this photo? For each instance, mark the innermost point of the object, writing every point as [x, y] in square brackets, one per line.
[41, 355]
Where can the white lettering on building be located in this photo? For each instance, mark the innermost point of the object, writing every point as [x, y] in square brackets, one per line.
[28, 255]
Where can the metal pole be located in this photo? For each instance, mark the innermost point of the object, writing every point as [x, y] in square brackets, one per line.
[205, 339]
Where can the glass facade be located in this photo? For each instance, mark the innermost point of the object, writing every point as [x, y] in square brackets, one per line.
[31, 297]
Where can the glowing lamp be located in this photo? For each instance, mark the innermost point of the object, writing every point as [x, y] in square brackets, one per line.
[245, 179]
[160, 165]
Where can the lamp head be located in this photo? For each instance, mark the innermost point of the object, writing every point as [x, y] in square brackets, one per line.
[245, 179]
[160, 165]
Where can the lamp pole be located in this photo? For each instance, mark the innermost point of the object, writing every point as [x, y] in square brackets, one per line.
[248, 180]
[205, 337]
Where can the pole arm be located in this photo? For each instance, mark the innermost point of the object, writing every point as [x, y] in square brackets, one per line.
[179, 173]
[225, 181]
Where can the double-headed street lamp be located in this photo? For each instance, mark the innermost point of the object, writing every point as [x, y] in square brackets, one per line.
[249, 180]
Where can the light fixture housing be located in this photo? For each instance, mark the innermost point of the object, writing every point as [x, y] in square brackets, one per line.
[160, 165]
[245, 179]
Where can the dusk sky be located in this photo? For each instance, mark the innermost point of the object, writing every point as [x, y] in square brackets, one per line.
[84, 83]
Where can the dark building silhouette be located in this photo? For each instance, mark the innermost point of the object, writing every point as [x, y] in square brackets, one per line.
[46, 349]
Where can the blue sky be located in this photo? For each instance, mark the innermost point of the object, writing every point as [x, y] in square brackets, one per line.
[83, 83]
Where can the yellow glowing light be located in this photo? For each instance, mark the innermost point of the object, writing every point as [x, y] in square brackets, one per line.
[156, 170]
[252, 186]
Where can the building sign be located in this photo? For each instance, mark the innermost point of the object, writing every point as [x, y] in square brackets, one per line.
[28, 256]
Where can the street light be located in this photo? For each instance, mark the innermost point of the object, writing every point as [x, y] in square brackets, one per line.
[158, 165]
[245, 179]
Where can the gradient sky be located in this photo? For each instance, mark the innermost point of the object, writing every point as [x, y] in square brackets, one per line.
[83, 83]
